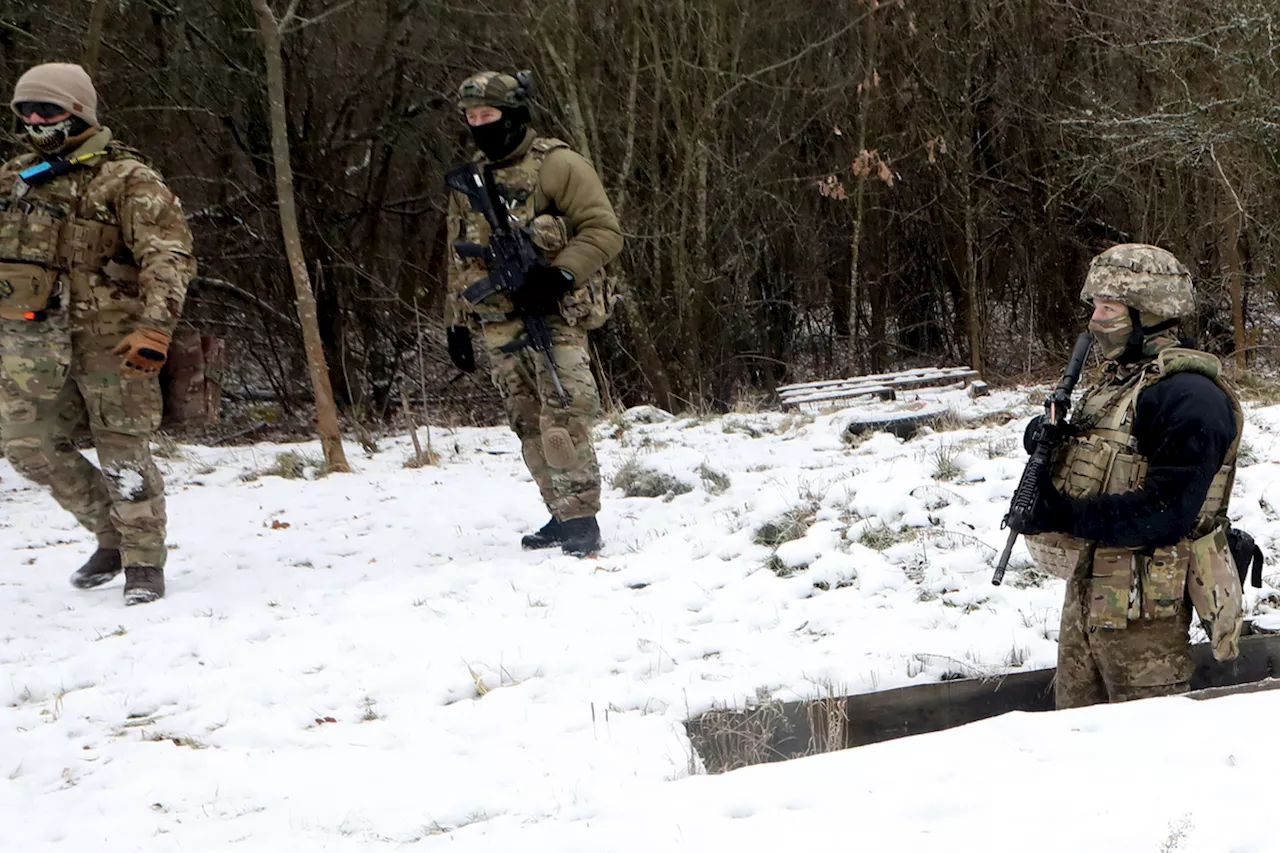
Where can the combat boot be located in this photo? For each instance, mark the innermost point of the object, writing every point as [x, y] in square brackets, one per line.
[143, 584]
[98, 569]
[580, 537]
[548, 537]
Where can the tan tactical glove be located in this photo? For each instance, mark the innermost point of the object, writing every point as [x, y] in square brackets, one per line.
[144, 351]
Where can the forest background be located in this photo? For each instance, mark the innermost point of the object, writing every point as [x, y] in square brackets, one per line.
[809, 188]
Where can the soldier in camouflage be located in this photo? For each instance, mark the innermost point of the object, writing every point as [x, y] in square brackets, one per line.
[556, 193]
[1135, 516]
[95, 257]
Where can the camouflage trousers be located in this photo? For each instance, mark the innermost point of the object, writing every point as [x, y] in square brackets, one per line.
[555, 438]
[122, 503]
[1150, 657]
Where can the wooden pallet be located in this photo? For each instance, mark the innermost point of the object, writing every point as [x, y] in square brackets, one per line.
[882, 385]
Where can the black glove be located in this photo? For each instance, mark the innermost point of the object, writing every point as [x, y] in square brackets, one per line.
[461, 352]
[543, 287]
[1065, 430]
[1053, 512]
[1028, 436]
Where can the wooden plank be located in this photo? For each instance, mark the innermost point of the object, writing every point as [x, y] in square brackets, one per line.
[778, 731]
[1236, 689]
[884, 389]
[877, 378]
[890, 714]
[838, 394]
[904, 425]
[900, 382]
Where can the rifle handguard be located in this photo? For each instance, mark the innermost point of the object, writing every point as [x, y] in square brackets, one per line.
[1024, 500]
[471, 251]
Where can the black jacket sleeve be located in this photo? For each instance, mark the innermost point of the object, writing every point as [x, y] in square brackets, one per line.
[1184, 425]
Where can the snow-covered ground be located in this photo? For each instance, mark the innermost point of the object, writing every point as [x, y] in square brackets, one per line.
[369, 661]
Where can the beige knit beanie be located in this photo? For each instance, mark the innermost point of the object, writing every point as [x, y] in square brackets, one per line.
[59, 83]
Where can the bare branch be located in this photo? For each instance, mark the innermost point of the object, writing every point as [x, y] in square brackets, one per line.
[286, 29]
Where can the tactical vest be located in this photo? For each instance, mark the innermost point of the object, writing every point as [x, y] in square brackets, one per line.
[45, 242]
[64, 269]
[589, 304]
[1103, 458]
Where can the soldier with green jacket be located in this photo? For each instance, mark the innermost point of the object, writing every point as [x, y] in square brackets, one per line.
[556, 193]
[1135, 518]
[95, 257]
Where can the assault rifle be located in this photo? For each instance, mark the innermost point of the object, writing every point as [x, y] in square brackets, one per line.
[1049, 432]
[511, 253]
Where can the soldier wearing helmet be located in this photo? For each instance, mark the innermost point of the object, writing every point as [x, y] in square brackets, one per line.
[1135, 518]
[556, 194]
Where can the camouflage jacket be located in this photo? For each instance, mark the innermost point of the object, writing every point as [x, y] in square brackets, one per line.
[543, 176]
[112, 230]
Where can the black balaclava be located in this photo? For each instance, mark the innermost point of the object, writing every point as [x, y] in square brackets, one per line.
[54, 138]
[499, 139]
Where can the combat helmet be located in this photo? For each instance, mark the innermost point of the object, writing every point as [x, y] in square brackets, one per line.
[1142, 277]
[496, 89]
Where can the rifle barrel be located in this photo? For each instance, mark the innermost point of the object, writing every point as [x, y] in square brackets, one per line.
[998, 577]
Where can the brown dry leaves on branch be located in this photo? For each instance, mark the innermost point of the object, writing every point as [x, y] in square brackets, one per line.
[867, 164]
[935, 147]
[830, 187]
[870, 162]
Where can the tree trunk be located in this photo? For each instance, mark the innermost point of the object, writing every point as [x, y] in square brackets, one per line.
[870, 49]
[1231, 257]
[629, 146]
[970, 167]
[326, 412]
[564, 61]
[93, 38]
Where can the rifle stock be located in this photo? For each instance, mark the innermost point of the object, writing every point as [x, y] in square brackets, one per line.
[1049, 434]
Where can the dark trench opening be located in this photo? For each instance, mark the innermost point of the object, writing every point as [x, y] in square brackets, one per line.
[777, 731]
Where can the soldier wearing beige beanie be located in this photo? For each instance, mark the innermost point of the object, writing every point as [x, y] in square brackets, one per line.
[58, 85]
[95, 257]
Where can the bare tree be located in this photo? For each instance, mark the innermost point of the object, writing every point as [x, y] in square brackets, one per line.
[326, 412]
[1021, 138]
[93, 38]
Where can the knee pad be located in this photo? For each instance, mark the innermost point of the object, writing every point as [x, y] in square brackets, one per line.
[558, 448]
[27, 458]
[531, 450]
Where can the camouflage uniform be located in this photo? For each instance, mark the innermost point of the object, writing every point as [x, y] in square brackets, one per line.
[110, 239]
[555, 192]
[1135, 561]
